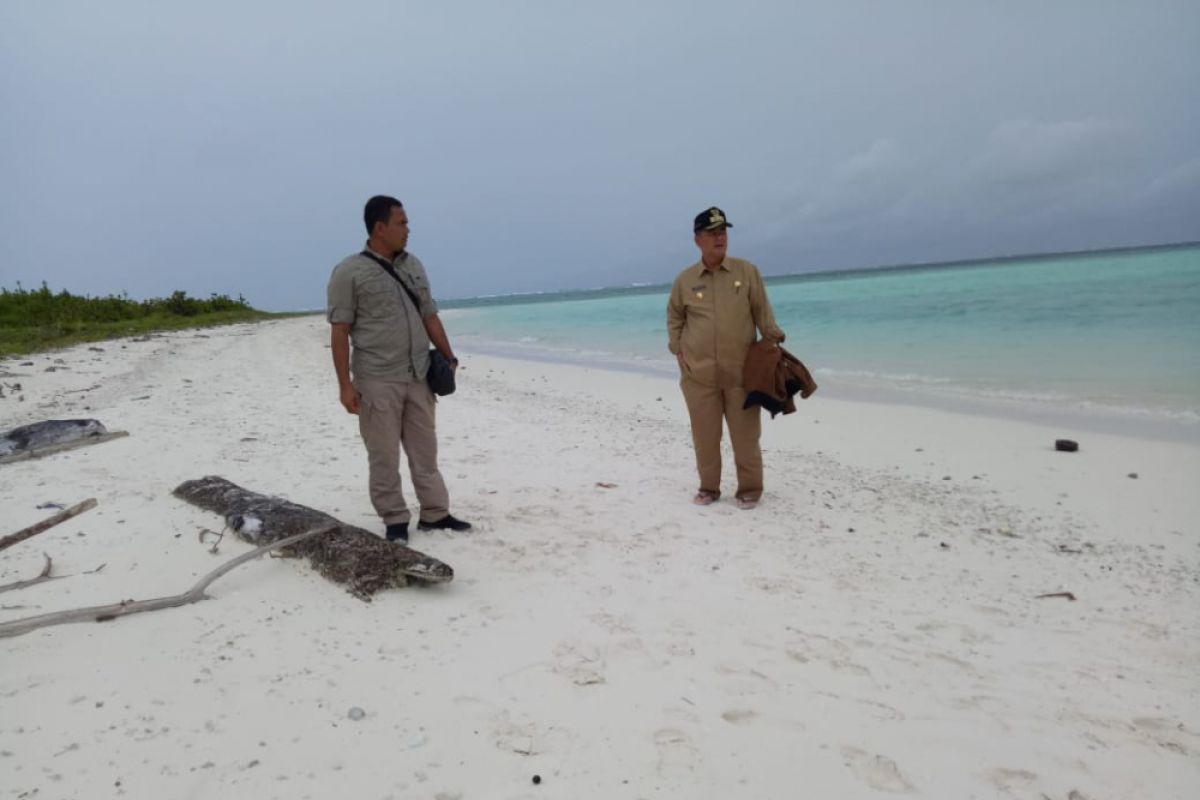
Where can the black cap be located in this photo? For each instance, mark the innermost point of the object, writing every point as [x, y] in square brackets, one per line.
[710, 219]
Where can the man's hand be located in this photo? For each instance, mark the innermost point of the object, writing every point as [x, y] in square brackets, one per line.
[350, 398]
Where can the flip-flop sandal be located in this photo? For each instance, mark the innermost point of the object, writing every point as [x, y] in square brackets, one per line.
[746, 504]
[704, 498]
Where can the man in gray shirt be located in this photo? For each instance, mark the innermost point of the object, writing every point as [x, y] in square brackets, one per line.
[383, 318]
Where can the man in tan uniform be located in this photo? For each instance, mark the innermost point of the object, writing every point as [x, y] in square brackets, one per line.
[381, 301]
[715, 309]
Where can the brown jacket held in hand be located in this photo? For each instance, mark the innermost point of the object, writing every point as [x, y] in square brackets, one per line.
[772, 375]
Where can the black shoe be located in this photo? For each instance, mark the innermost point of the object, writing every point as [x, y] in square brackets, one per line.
[446, 523]
[398, 532]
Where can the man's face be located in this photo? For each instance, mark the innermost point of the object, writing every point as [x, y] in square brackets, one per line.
[713, 244]
[394, 232]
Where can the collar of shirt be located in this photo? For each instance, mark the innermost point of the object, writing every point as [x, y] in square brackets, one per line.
[401, 256]
[701, 268]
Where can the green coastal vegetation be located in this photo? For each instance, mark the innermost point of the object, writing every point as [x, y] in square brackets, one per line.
[39, 319]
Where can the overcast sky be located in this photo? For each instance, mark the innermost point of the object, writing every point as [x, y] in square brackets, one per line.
[229, 146]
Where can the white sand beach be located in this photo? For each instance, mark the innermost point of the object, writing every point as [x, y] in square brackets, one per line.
[873, 628]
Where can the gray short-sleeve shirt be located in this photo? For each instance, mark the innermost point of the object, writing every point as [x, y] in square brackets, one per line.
[387, 333]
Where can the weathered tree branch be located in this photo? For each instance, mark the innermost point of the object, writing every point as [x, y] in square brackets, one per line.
[46, 524]
[104, 613]
[41, 578]
[60, 446]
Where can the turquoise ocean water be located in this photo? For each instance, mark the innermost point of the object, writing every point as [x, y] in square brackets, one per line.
[1114, 333]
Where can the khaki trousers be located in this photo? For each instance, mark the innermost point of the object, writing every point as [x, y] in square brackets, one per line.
[707, 406]
[392, 415]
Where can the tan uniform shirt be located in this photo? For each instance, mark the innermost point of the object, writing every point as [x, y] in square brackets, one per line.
[712, 317]
[387, 334]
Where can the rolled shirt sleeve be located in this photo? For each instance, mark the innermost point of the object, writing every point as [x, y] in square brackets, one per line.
[340, 303]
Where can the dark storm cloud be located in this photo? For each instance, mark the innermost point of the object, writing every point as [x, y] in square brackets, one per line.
[228, 147]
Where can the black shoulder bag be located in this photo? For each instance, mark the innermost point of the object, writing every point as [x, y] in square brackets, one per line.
[441, 374]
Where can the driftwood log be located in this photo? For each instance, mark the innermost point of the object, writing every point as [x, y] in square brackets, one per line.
[52, 436]
[358, 559]
[47, 524]
[42, 452]
[113, 610]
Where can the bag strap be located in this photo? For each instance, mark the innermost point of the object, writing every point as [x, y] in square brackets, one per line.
[392, 271]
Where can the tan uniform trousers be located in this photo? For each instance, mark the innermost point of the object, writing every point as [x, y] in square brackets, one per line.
[707, 406]
[391, 415]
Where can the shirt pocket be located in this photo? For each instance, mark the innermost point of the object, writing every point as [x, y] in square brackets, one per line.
[420, 286]
[699, 300]
[417, 280]
[376, 296]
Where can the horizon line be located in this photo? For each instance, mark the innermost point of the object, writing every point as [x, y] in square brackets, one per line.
[646, 288]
